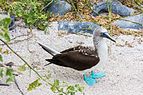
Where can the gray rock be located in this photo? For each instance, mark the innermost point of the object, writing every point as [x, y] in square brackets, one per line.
[132, 22]
[76, 26]
[59, 7]
[117, 8]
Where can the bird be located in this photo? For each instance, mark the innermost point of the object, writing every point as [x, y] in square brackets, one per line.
[82, 58]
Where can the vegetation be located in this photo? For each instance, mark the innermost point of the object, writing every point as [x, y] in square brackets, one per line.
[4, 35]
[33, 14]
[30, 11]
[4, 24]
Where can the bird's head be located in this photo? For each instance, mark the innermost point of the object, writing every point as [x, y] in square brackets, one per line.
[99, 34]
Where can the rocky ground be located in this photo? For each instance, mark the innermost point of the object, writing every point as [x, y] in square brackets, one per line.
[124, 71]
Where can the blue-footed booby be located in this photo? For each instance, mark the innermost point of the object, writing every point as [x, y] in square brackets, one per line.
[83, 57]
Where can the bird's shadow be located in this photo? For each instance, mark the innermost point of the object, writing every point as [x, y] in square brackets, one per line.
[65, 74]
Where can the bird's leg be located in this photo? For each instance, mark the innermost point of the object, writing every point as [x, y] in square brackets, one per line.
[95, 71]
[96, 75]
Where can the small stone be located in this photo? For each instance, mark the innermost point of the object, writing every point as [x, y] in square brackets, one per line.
[59, 7]
[10, 64]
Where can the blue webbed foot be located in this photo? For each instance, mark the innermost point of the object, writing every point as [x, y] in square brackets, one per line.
[97, 75]
[89, 80]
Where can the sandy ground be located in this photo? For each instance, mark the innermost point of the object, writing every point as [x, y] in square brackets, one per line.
[124, 72]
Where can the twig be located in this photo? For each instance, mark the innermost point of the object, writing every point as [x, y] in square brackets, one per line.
[18, 86]
[2, 84]
[48, 4]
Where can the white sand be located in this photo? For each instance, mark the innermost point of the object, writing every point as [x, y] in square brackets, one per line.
[124, 72]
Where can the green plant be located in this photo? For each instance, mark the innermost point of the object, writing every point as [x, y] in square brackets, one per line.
[65, 89]
[8, 73]
[109, 5]
[4, 31]
[34, 85]
[4, 35]
[1, 59]
[31, 11]
[61, 88]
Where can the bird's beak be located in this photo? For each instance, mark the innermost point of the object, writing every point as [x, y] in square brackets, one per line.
[106, 35]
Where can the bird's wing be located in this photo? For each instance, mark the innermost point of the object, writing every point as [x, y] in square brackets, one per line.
[83, 50]
[76, 59]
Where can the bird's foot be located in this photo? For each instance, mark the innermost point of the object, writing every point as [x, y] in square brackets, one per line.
[89, 80]
[96, 75]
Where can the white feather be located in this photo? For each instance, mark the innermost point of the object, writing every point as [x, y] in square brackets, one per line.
[102, 50]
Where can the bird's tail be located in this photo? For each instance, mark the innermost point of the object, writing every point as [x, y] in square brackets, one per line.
[49, 50]
[50, 62]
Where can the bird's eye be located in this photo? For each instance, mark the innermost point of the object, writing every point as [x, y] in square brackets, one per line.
[106, 35]
[103, 34]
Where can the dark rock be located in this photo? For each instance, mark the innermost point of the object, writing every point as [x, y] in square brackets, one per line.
[75, 26]
[59, 7]
[12, 24]
[132, 22]
[116, 6]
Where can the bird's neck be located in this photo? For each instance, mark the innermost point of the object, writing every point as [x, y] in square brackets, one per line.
[102, 50]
